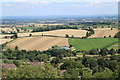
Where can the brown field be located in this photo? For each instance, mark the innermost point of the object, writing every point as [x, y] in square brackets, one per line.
[104, 32]
[38, 43]
[61, 32]
[2, 41]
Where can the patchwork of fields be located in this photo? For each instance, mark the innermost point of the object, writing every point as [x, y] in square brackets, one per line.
[90, 43]
[38, 43]
[61, 32]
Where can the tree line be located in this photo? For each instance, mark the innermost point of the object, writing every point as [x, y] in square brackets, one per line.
[53, 28]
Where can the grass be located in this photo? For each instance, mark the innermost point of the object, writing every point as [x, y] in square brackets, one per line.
[79, 53]
[90, 43]
[114, 47]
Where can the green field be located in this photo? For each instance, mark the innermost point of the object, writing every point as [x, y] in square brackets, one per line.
[114, 46]
[90, 43]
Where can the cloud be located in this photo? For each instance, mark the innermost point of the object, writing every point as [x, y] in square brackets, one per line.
[93, 3]
[44, 3]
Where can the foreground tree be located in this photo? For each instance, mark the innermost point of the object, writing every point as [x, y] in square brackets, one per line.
[29, 71]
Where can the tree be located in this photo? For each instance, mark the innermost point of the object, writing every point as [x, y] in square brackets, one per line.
[16, 47]
[30, 34]
[102, 62]
[17, 63]
[15, 35]
[87, 73]
[94, 52]
[55, 61]
[30, 71]
[67, 36]
[104, 51]
[107, 73]
[68, 64]
[6, 61]
[72, 36]
[42, 57]
[117, 35]
[104, 36]
[87, 34]
[72, 73]
[109, 35]
[92, 63]
[112, 51]
[70, 46]
[85, 61]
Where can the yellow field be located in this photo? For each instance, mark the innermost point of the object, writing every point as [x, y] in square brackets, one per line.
[104, 32]
[2, 41]
[61, 32]
[38, 43]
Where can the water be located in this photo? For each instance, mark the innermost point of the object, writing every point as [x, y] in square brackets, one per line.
[64, 48]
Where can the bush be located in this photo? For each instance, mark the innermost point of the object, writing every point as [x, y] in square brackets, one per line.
[67, 36]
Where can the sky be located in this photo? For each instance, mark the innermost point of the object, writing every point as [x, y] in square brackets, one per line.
[58, 7]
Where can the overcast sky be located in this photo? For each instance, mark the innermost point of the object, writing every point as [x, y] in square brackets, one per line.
[56, 7]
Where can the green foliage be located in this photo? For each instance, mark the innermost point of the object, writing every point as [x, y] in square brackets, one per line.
[117, 35]
[104, 51]
[42, 57]
[68, 64]
[55, 61]
[107, 73]
[71, 74]
[112, 51]
[94, 51]
[29, 71]
[88, 44]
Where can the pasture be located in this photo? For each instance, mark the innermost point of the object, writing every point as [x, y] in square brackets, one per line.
[90, 43]
[38, 43]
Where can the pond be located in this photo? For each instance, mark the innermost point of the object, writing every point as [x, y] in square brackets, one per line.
[64, 48]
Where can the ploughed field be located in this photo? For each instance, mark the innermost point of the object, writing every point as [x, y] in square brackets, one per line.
[60, 32]
[90, 43]
[104, 32]
[38, 43]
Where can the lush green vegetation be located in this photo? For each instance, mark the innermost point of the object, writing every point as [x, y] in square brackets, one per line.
[90, 43]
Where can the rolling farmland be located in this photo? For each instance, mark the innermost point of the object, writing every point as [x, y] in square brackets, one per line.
[90, 43]
[61, 32]
[104, 32]
[38, 43]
